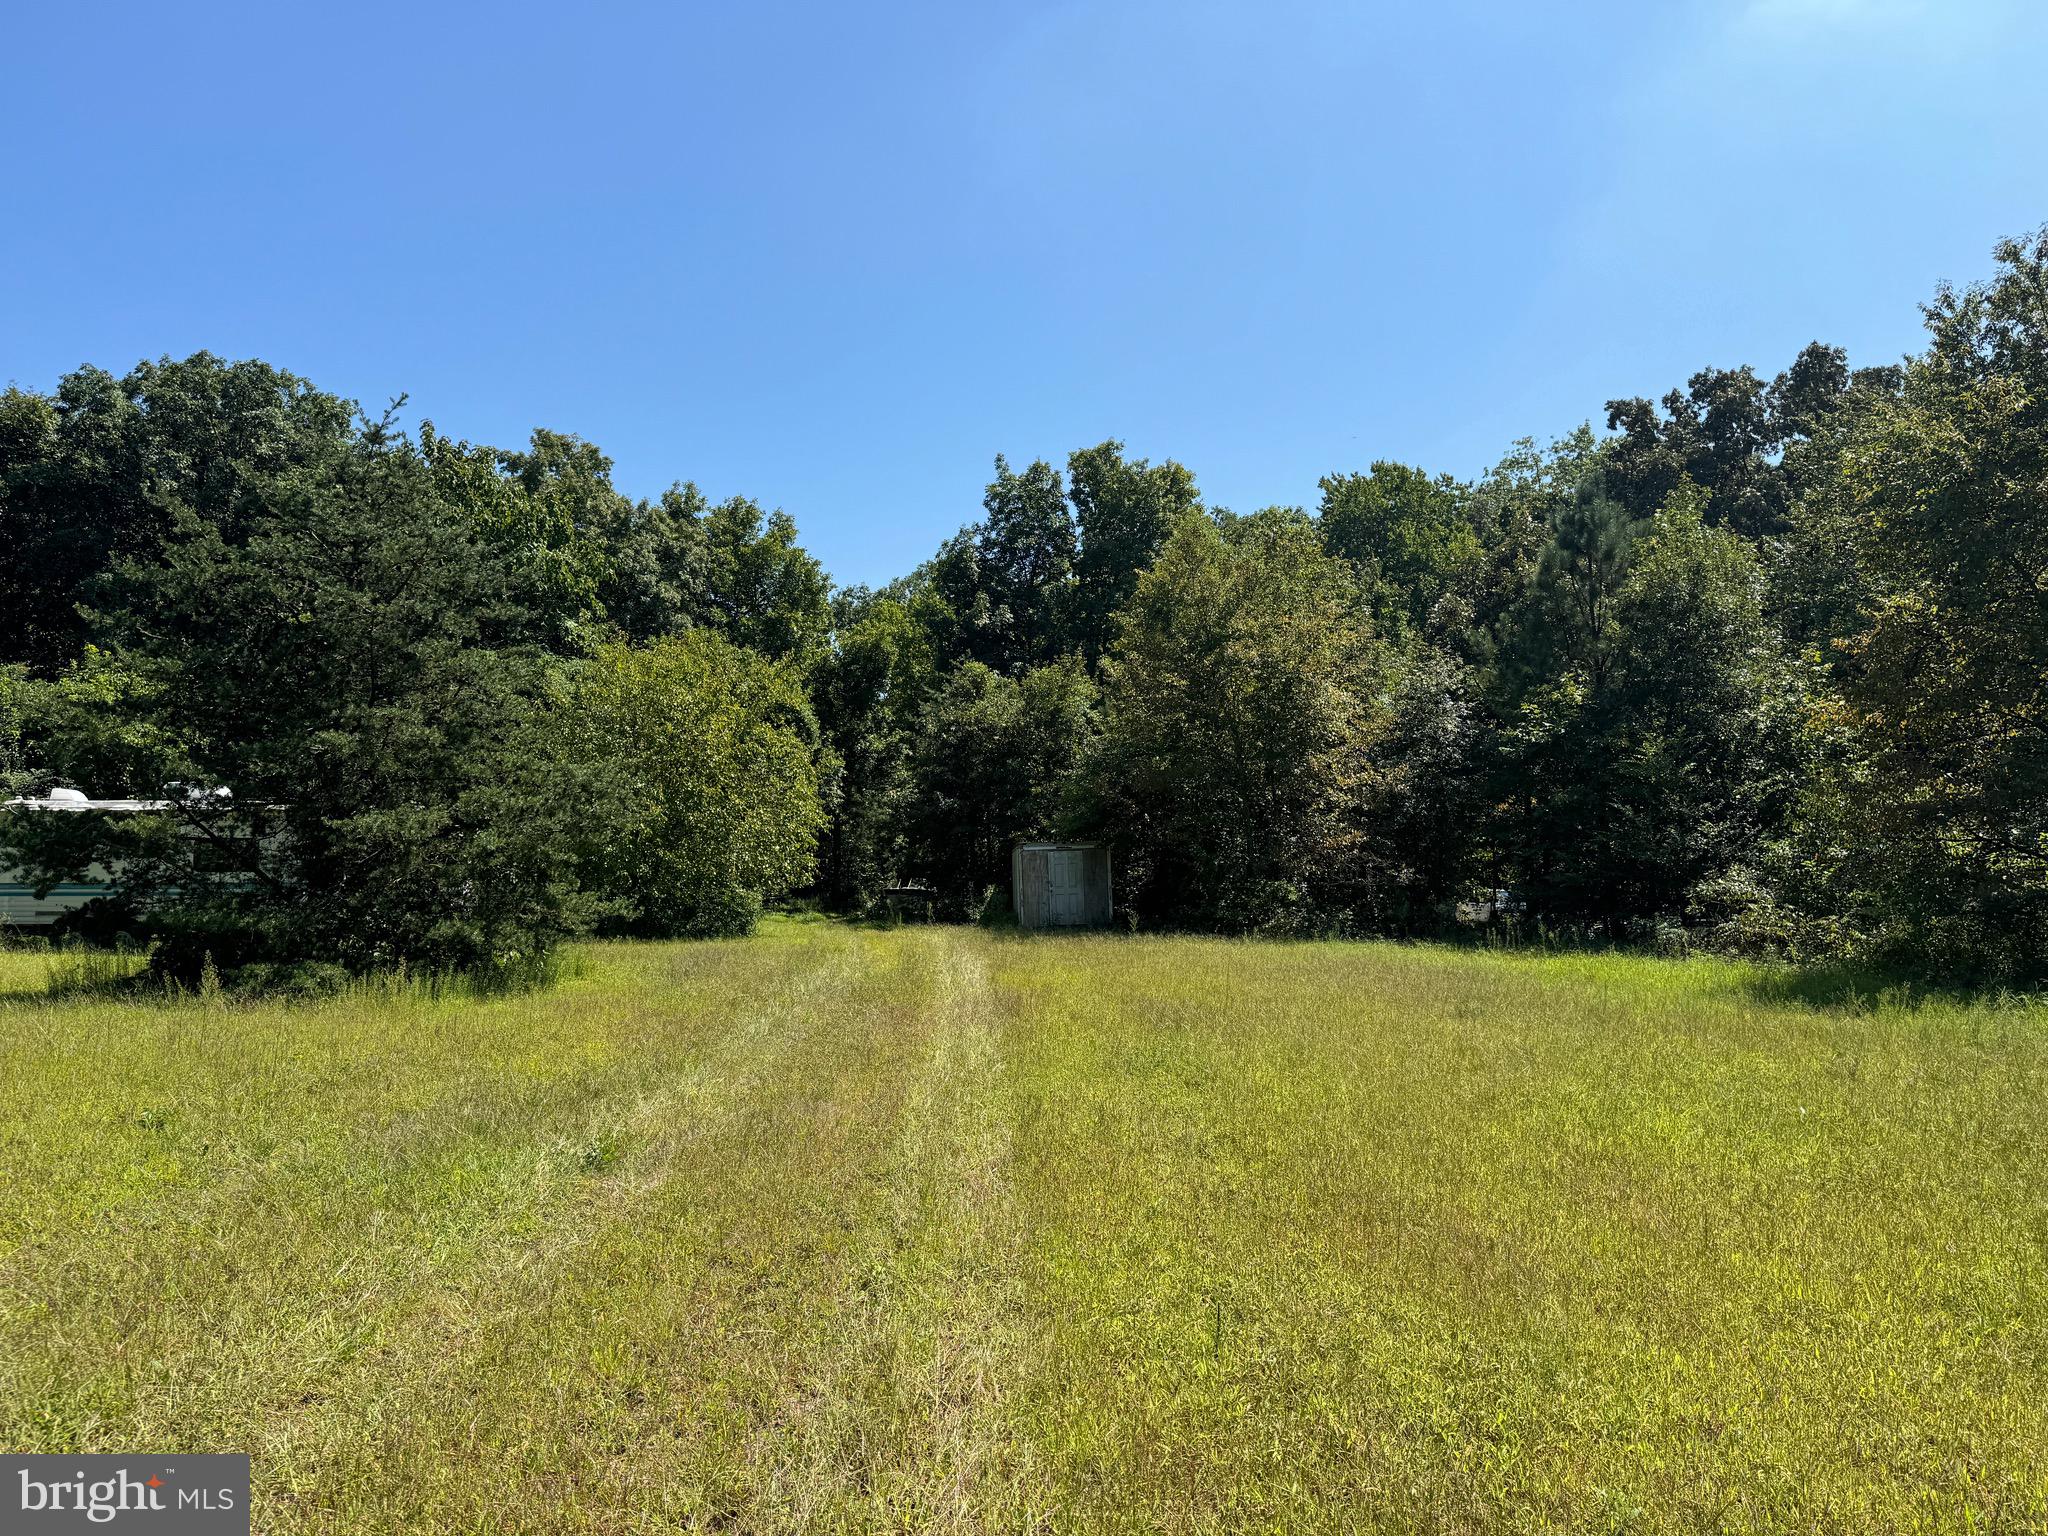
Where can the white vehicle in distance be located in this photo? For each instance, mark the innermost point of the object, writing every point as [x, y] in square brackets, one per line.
[21, 908]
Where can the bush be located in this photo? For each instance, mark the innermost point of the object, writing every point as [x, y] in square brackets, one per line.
[701, 754]
[1735, 913]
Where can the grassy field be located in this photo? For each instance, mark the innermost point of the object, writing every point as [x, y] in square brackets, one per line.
[929, 1229]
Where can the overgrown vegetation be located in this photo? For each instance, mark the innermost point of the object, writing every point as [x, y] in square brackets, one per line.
[931, 1229]
[701, 756]
[1764, 668]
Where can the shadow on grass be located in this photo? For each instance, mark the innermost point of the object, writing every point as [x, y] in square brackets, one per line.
[123, 973]
[1860, 988]
[39, 970]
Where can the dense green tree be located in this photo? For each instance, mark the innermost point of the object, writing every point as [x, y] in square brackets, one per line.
[656, 575]
[17, 703]
[1407, 536]
[1659, 749]
[583, 556]
[540, 512]
[1768, 659]
[336, 706]
[1005, 585]
[1944, 493]
[991, 764]
[1124, 509]
[1804, 398]
[1734, 436]
[1022, 569]
[582, 553]
[1820, 585]
[706, 752]
[1512, 510]
[871, 693]
[1718, 433]
[101, 467]
[964, 622]
[1565, 623]
[1424, 810]
[1239, 702]
[762, 589]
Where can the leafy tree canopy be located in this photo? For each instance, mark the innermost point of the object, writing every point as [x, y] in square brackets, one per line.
[340, 709]
[1124, 509]
[101, 467]
[1946, 669]
[992, 763]
[1406, 534]
[1239, 700]
[704, 754]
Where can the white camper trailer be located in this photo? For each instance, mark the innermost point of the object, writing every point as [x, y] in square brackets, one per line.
[20, 906]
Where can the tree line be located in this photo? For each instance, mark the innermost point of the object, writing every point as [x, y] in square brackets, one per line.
[1763, 666]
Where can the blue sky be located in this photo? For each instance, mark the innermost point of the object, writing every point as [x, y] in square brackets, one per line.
[838, 256]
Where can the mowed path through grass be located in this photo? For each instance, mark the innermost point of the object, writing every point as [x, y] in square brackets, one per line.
[841, 1229]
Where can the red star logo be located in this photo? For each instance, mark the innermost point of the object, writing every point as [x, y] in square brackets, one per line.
[155, 1481]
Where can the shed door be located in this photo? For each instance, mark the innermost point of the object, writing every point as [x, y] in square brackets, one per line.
[1063, 888]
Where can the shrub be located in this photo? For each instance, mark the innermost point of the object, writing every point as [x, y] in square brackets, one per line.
[705, 783]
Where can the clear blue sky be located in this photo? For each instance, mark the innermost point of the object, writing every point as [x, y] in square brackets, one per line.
[837, 256]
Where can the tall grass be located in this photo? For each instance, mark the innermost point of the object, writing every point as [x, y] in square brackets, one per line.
[934, 1228]
[70, 970]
